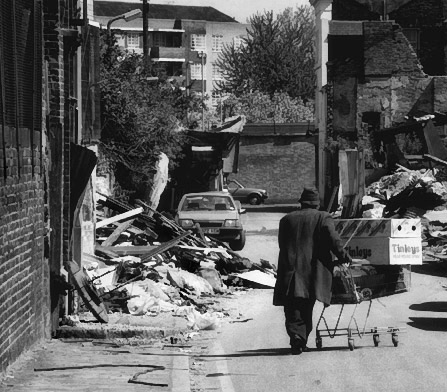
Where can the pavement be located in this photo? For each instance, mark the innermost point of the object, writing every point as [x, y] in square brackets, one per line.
[83, 364]
[130, 353]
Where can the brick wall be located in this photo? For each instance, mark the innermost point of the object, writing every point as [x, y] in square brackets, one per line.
[282, 165]
[388, 52]
[24, 269]
[24, 273]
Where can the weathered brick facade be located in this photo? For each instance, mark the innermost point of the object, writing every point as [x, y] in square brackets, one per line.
[24, 272]
[24, 269]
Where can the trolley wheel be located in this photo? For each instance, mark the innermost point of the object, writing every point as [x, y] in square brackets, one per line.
[366, 294]
[351, 344]
[376, 338]
[319, 343]
[395, 339]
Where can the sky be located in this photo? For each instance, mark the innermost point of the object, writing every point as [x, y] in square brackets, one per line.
[238, 9]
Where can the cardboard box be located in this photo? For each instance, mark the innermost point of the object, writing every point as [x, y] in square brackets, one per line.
[407, 228]
[382, 241]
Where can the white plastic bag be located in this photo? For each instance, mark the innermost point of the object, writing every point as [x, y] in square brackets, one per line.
[198, 321]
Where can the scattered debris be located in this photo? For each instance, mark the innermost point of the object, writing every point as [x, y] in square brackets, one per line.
[409, 194]
[259, 277]
[145, 265]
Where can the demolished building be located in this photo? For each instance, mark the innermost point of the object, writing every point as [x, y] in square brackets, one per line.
[381, 81]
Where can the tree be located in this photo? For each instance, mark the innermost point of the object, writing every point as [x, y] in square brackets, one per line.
[143, 115]
[260, 107]
[276, 56]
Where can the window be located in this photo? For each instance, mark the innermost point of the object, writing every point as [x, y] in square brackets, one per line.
[238, 42]
[196, 72]
[133, 40]
[217, 72]
[159, 40]
[198, 42]
[217, 43]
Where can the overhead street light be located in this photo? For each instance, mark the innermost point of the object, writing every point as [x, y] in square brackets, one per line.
[128, 16]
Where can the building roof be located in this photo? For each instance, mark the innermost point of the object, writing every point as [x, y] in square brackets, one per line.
[162, 11]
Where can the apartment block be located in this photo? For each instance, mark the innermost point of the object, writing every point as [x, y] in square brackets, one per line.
[185, 41]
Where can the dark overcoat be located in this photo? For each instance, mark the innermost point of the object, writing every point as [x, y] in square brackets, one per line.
[305, 263]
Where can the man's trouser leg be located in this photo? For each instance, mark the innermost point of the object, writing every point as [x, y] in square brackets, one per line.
[298, 312]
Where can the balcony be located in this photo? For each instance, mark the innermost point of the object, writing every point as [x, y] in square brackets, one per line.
[167, 54]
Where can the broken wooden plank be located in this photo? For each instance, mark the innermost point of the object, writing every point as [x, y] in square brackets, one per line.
[409, 157]
[142, 221]
[151, 233]
[132, 229]
[116, 218]
[89, 258]
[435, 159]
[164, 247]
[130, 250]
[111, 239]
[332, 199]
[106, 251]
[404, 168]
[170, 223]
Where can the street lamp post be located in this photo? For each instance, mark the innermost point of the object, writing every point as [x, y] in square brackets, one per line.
[145, 32]
[202, 56]
[128, 16]
[188, 77]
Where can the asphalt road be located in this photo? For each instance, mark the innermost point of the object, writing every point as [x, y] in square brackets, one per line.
[262, 235]
[254, 355]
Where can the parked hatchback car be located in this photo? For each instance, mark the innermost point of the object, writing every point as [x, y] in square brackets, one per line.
[243, 194]
[216, 213]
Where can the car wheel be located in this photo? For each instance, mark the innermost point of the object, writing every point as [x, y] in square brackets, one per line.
[254, 200]
[239, 243]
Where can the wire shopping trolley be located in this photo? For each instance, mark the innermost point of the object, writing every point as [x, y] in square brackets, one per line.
[362, 283]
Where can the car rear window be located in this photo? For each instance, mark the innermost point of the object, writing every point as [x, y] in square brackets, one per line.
[207, 203]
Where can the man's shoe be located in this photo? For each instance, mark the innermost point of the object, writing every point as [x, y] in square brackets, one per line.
[296, 350]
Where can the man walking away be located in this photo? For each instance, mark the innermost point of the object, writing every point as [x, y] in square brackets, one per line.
[306, 239]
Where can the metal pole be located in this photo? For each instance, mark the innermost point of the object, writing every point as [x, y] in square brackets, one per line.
[145, 32]
[203, 93]
[221, 107]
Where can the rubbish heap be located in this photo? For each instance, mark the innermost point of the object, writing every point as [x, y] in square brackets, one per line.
[145, 264]
[413, 194]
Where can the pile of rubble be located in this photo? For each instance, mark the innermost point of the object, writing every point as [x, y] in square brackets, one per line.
[145, 265]
[413, 194]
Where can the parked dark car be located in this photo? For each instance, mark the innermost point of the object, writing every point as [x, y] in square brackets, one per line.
[243, 194]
